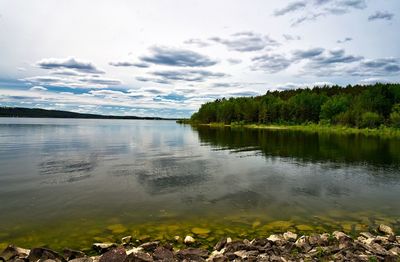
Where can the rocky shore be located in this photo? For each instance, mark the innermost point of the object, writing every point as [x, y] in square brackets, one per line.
[383, 245]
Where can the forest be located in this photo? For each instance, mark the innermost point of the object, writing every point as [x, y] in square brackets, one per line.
[362, 106]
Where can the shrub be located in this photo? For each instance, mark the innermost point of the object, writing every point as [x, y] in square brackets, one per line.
[370, 120]
[395, 119]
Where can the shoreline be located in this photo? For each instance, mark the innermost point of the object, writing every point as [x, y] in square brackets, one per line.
[384, 131]
[380, 245]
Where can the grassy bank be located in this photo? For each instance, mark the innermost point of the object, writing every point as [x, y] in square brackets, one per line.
[315, 128]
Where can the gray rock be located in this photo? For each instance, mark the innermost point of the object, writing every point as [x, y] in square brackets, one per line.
[139, 257]
[14, 252]
[220, 245]
[126, 240]
[103, 247]
[44, 254]
[385, 229]
[70, 254]
[115, 255]
[82, 259]
[163, 254]
[150, 246]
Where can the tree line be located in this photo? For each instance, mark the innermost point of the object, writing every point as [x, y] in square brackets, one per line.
[363, 106]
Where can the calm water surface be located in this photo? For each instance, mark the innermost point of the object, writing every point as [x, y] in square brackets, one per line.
[71, 182]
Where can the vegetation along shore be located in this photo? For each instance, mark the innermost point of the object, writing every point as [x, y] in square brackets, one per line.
[367, 109]
[380, 245]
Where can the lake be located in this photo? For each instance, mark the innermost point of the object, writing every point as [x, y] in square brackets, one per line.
[72, 182]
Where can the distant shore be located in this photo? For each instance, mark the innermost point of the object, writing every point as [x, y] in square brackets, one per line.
[380, 245]
[315, 128]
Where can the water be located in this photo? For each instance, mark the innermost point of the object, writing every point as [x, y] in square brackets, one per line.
[72, 182]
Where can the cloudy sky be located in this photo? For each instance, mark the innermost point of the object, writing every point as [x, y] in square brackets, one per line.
[166, 58]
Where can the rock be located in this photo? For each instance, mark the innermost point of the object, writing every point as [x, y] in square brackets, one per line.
[134, 250]
[177, 238]
[150, 246]
[70, 254]
[385, 229]
[115, 255]
[139, 257]
[14, 252]
[302, 243]
[275, 238]
[219, 258]
[103, 247]
[82, 259]
[126, 240]
[338, 235]
[189, 240]
[192, 254]
[246, 255]
[289, 236]
[163, 254]
[200, 231]
[220, 245]
[235, 246]
[366, 235]
[44, 254]
[395, 251]
[228, 240]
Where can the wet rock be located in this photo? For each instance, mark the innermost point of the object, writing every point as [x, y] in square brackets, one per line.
[189, 240]
[103, 247]
[115, 255]
[289, 236]
[126, 240]
[275, 238]
[44, 254]
[220, 245]
[219, 258]
[139, 257]
[385, 229]
[150, 246]
[70, 254]
[14, 252]
[163, 254]
[303, 244]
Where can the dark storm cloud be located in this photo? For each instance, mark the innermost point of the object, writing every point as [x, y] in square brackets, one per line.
[379, 15]
[177, 57]
[246, 42]
[291, 7]
[69, 63]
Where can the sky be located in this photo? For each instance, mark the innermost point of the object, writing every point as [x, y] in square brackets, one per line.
[166, 58]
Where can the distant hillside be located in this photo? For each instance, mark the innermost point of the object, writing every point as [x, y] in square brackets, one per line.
[43, 113]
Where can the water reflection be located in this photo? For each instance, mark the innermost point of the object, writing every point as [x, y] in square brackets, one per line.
[86, 175]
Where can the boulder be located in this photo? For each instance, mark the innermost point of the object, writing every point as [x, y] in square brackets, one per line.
[289, 236]
[150, 246]
[189, 240]
[103, 247]
[139, 257]
[126, 240]
[70, 254]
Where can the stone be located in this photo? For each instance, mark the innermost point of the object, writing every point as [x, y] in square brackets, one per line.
[302, 243]
[70, 254]
[163, 254]
[385, 229]
[192, 254]
[235, 246]
[134, 250]
[220, 245]
[219, 258]
[189, 240]
[289, 236]
[200, 231]
[14, 252]
[150, 246]
[82, 259]
[44, 254]
[338, 235]
[275, 238]
[126, 240]
[114, 255]
[103, 247]
[139, 257]
[395, 251]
